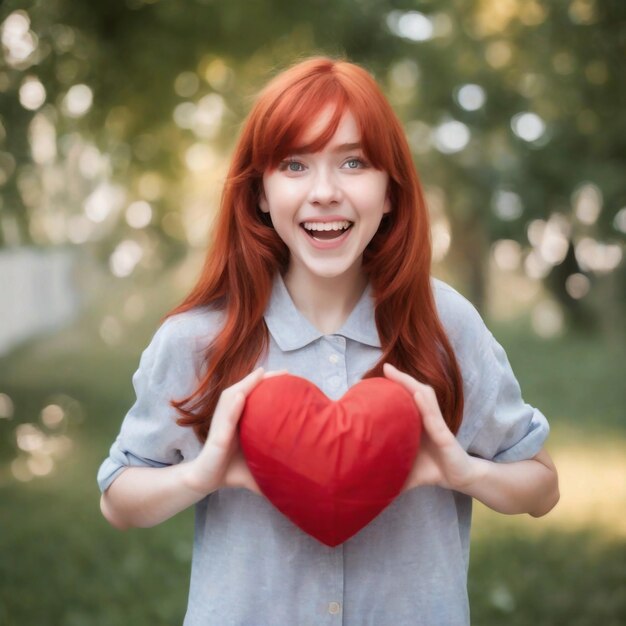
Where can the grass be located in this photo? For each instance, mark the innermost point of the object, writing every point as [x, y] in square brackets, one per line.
[61, 564]
[555, 578]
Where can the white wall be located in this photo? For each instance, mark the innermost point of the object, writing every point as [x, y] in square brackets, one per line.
[38, 292]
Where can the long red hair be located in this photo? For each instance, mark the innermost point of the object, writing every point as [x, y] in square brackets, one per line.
[246, 251]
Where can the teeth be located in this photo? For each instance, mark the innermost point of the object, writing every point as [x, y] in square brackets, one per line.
[327, 225]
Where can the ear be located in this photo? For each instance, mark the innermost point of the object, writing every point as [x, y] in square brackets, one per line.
[387, 204]
[263, 203]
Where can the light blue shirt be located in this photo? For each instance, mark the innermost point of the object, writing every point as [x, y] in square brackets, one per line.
[251, 566]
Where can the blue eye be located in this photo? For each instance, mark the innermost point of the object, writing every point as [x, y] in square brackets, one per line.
[354, 164]
[292, 166]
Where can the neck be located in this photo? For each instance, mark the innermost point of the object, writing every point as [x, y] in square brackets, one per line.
[325, 302]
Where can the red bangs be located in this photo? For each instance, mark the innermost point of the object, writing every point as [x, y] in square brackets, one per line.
[286, 112]
[288, 123]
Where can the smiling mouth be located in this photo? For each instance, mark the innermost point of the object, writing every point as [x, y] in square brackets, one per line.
[324, 232]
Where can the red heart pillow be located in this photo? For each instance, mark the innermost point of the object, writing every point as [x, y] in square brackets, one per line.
[330, 467]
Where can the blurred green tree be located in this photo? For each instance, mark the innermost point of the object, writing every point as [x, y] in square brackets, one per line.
[115, 116]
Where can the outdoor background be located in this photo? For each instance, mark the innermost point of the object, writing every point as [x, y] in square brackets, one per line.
[116, 122]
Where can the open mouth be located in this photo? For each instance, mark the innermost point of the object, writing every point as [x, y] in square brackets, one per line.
[328, 230]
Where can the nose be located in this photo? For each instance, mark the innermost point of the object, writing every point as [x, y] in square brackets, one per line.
[325, 189]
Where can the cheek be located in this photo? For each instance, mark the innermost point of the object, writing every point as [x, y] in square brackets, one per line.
[373, 205]
[284, 199]
[370, 194]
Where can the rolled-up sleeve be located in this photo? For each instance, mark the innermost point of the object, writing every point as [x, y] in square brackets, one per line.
[506, 428]
[497, 424]
[149, 435]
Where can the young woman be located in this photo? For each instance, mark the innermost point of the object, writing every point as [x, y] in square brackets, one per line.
[320, 265]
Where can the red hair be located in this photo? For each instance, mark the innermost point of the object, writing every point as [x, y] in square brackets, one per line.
[246, 251]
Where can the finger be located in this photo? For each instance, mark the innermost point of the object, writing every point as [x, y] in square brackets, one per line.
[273, 373]
[407, 381]
[247, 384]
[229, 405]
[432, 418]
[239, 475]
[225, 419]
[254, 487]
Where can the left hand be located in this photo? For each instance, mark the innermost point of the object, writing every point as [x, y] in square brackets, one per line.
[441, 460]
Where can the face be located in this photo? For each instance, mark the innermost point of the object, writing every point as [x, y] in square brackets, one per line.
[326, 206]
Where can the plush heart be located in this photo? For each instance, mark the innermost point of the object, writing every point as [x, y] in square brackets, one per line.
[330, 467]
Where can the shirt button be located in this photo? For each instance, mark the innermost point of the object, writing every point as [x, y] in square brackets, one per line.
[333, 358]
[334, 608]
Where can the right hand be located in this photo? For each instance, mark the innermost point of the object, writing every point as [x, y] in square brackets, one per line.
[221, 462]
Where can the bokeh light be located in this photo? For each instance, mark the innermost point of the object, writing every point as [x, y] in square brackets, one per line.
[39, 464]
[528, 126]
[29, 437]
[470, 97]
[554, 238]
[441, 235]
[42, 137]
[32, 93]
[507, 254]
[125, 258]
[77, 101]
[200, 157]
[547, 319]
[441, 239]
[79, 229]
[38, 450]
[150, 186]
[443, 24]
[596, 256]
[207, 116]
[18, 41]
[411, 25]
[6, 406]
[92, 163]
[52, 415]
[582, 11]
[507, 205]
[587, 202]
[619, 221]
[105, 200]
[577, 285]
[451, 136]
[139, 214]
[186, 84]
[498, 54]
[183, 114]
[20, 470]
[218, 74]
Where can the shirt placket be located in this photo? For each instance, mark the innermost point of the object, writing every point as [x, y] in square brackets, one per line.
[333, 604]
[335, 378]
[335, 375]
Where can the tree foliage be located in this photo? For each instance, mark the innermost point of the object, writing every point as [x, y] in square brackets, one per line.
[512, 109]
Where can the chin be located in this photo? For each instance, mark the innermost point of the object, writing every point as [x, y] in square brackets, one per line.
[330, 273]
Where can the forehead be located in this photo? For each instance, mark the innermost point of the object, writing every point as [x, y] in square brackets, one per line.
[347, 130]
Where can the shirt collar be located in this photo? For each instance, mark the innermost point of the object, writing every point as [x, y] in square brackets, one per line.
[291, 330]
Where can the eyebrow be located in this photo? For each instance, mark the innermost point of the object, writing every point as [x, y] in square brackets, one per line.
[344, 147]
